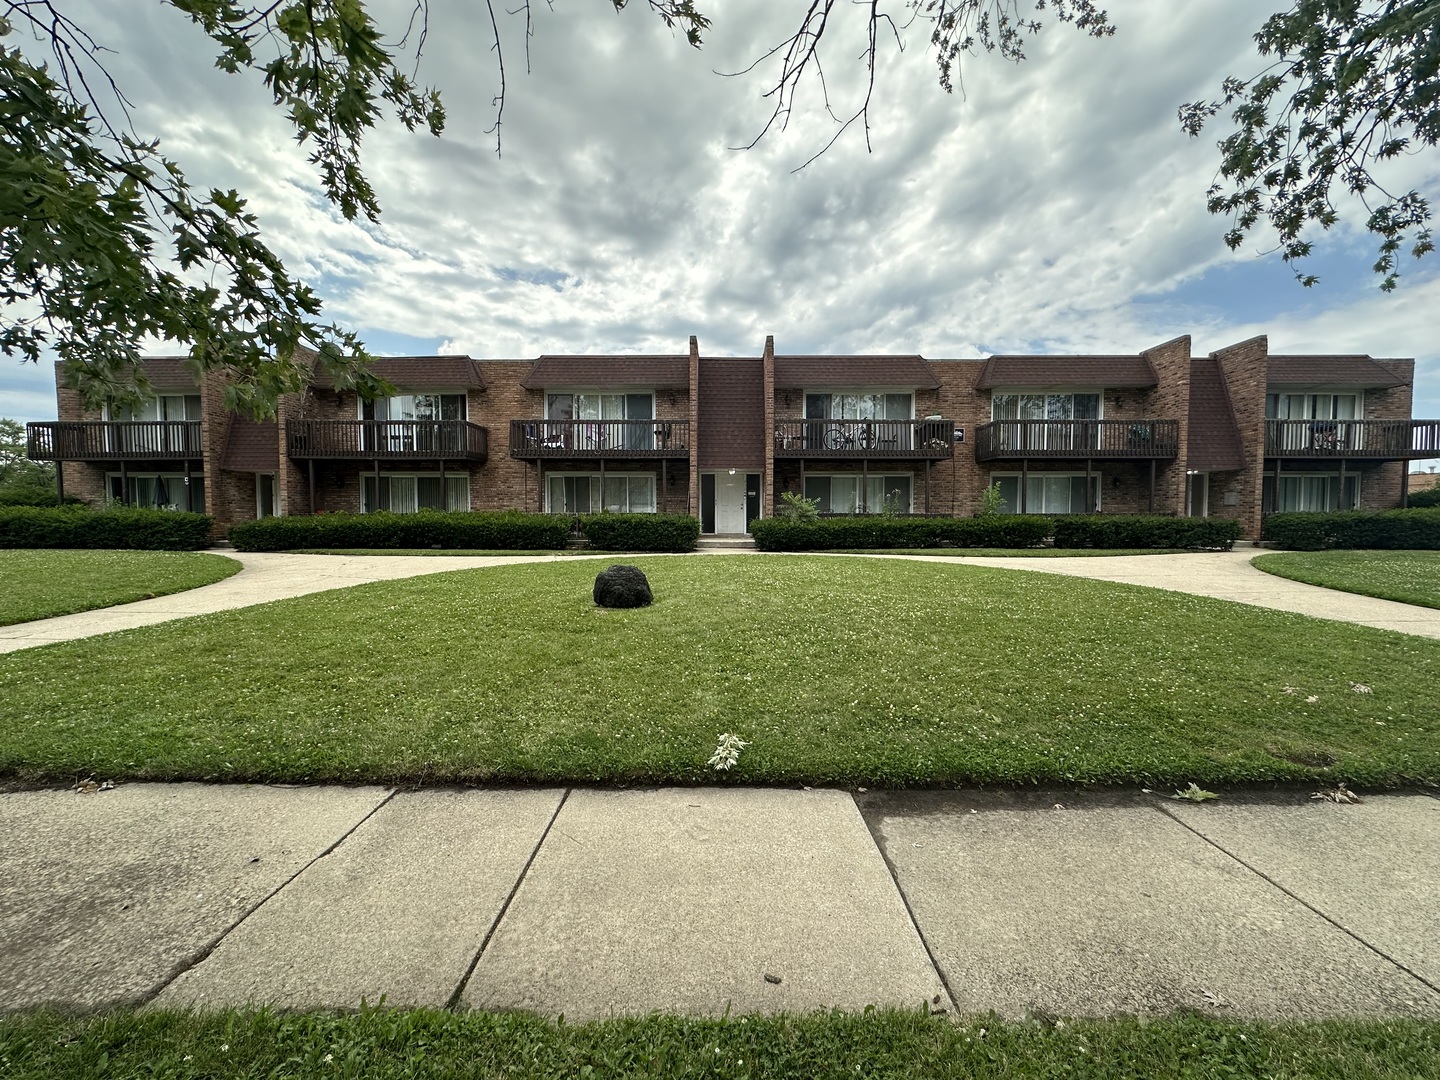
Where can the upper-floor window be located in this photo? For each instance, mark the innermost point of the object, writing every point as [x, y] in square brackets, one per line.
[1313, 406]
[859, 406]
[415, 407]
[1083, 405]
[162, 407]
[598, 406]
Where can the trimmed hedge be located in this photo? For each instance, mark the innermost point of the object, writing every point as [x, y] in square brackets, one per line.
[880, 531]
[1423, 500]
[480, 530]
[79, 527]
[1145, 531]
[641, 532]
[1413, 530]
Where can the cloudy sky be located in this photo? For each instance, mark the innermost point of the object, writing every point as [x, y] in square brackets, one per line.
[1054, 207]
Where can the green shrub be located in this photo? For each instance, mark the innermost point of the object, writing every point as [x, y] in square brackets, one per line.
[1423, 500]
[641, 532]
[480, 530]
[1412, 530]
[79, 527]
[879, 531]
[1145, 531]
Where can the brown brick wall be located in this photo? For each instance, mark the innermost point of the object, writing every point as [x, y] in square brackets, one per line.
[1244, 367]
[1170, 400]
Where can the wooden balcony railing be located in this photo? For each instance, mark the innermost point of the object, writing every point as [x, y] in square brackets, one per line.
[600, 438]
[857, 439]
[1076, 439]
[1390, 439]
[386, 440]
[117, 440]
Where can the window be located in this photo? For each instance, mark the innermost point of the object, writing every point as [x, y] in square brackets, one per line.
[842, 493]
[415, 407]
[858, 406]
[1048, 493]
[596, 409]
[164, 407]
[876, 420]
[405, 493]
[158, 491]
[264, 495]
[1310, 491]
[1313, 406]
[589, 493]
[1011, 411]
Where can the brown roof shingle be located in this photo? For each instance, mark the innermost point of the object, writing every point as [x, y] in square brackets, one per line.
[802, 372]
[1214, 436]
[420, 373]
[1360, 372]
[1105, 372]
[169, 373]
[252, 446]
[607, 372]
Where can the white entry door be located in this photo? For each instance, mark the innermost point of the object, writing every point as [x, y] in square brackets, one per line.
[730, 502]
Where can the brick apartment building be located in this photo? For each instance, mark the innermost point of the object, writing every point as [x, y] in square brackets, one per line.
[1238, 434]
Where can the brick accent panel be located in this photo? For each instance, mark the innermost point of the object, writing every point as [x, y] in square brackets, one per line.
[1244, 369]
[767, 427]
[692, 500]
[1170, 400]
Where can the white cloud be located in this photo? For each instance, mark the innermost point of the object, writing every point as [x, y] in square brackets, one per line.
[1056, 205]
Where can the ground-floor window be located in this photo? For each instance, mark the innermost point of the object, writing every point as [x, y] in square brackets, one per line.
[1048, 493]
[589, 493]
[264, 495]
[1311, 491]
[405, 493]
[158, 491]
[853, 493]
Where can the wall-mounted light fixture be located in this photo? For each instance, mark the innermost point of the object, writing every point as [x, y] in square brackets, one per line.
[1119, 402]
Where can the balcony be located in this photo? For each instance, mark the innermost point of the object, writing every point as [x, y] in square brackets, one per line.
[1391, 440]
[599, 439]
[117, 440]
[839, 440]
[1075, 440]
[385, 440]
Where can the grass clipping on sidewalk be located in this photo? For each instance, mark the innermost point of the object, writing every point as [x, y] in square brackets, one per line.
[832, 670]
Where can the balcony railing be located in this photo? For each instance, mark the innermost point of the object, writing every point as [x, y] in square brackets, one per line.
[600, 438]
[1074, 439]
[385, 440]
[1392, 439]
[857, 439]
[114, 440]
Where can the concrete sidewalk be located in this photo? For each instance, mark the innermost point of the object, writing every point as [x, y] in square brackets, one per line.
[592, 903]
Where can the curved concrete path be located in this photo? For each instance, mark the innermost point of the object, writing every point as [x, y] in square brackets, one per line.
[1225, 575]
[275, 576]
[266, 576]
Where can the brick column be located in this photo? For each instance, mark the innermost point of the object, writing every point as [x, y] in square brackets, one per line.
[1171, 400]
[767, 472]
[1244, 367]
[693, 503]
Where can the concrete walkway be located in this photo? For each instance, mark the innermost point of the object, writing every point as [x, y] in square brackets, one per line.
[276, 576]
[266, 576]
[696, 900]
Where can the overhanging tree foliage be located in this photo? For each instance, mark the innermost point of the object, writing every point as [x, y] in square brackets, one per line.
[105, 248]
[1354, 85]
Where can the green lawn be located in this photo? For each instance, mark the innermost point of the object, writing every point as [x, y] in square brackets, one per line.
[436, 551]
[835, 670]
[1411, 577]
[1013, 553]
[41, 584]
[384, 1043]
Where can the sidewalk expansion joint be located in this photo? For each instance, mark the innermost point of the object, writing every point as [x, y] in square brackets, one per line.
[910, 911]
[454, 1001]
[204, 954]
[1302, 901]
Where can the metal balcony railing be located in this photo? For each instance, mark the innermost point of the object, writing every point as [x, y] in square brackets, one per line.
[114, 440]
[1077, 439]
[385, 440]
